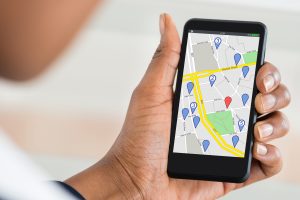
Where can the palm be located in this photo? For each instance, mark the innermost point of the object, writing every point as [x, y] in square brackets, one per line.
[147, 149]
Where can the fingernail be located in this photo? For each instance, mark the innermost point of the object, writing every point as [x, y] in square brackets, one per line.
[265, 130]
[261, 150]
[268, 101]
[269, 82]
[162, 23]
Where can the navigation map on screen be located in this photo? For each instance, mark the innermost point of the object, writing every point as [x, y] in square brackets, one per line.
[216, 92]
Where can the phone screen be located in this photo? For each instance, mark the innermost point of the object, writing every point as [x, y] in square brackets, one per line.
[216, 93]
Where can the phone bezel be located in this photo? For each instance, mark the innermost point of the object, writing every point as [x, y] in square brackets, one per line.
[204, 167]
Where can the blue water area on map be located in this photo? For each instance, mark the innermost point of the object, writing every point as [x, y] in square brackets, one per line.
[185, 113]
[205, 145]
[196, 121]
[235, 140]
[245, 98]
[245, 71]
[237, 58]
[190, 86]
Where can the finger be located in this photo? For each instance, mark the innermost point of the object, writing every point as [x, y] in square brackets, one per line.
[277, 99]
[267, 162]
[162, 69]
[269, 157]
[268, 78]
[275, 125]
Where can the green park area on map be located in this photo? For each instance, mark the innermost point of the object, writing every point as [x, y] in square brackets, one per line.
[222, 122]
[250, 57]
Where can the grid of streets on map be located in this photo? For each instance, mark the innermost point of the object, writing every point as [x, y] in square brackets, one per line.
[216, 94]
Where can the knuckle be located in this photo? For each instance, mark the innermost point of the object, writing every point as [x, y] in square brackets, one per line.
[277, 160]
[284, 124]
[277, 153]
[157, 52]
[165, 51]
[277, 76]
[287, 95]
[136, 92]
[169, 50]
[283, 96]
[280, 166]
[277, 168]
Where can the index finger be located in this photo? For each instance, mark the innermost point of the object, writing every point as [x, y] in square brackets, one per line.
[268, 78]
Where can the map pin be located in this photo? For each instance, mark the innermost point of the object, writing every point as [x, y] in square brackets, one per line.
[196, 121]
[212, 79]
[218, 42]
[185, 113]
[241, 124]
[235, 140]
[193, 106]
[245, 98]
[237, 58]
[245, 71]
[228, 101]
[205, 145]
[190, 87]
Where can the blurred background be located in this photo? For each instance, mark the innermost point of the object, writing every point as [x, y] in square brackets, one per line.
[70, 116]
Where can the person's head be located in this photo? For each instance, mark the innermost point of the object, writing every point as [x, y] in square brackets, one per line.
[33, 33]
[21, 57]
[20, 61]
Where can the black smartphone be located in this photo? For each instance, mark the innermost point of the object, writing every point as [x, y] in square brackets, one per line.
[213, 110]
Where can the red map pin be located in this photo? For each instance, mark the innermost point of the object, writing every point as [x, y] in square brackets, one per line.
[228, 101]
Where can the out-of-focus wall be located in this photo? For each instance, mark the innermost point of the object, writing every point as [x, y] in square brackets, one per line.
[69, 117]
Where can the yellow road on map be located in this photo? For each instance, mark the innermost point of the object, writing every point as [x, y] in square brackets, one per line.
[194, 77]
[206, 73]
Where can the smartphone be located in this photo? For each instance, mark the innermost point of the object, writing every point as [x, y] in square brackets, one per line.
[213, 110]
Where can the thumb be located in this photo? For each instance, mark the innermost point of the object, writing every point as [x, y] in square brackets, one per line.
[162, 69]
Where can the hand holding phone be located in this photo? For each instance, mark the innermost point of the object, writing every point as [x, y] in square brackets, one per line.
[213, 111]
[136, 165]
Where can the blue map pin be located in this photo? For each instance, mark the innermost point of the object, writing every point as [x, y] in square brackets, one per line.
[241, 124]
[196, 121]
[245, 98]
[185, 113]
[245, 71]
[193, 106]
[190, 86]
[218, 42]
[205, 144]
[212, 79]
[237, 58]
[235, 140]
